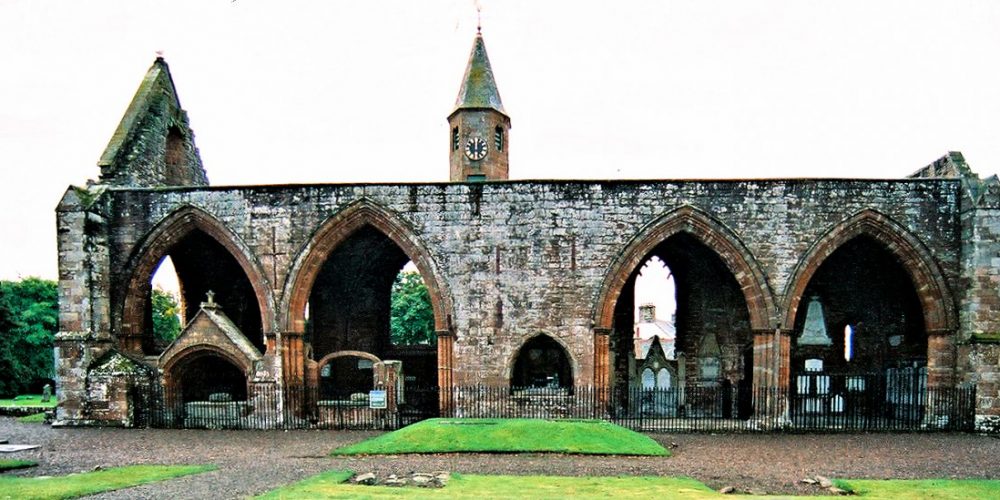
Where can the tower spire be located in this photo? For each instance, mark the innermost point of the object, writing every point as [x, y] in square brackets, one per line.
[479, 88]
[479, 124]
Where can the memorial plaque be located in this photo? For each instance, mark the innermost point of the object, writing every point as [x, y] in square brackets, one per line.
[814, 365]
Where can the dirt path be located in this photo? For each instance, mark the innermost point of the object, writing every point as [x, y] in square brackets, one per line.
[252, 462]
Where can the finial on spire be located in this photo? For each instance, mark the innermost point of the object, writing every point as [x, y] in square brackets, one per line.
[479, 18]
[159, 54]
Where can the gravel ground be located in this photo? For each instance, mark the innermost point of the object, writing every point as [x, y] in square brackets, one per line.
[252, 462]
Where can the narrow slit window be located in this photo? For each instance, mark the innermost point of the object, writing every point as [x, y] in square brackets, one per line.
[454, 139]
[498, 138]
[848, 342]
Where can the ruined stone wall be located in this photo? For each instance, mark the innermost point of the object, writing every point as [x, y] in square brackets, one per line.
[979, 342]
[517, 259]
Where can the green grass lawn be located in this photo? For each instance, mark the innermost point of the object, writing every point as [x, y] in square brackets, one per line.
[29, 401]
[481, 435]
[89, 483]
[331, 485]
[919, 489]
[8, 464]
[35, 418]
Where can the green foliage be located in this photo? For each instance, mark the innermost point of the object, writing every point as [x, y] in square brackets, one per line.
[29, 317]
[11, 464]
[524, 435]
[89, 483]
[166, 320]
[412, 317]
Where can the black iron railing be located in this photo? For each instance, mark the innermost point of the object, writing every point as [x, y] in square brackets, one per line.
[714, 409]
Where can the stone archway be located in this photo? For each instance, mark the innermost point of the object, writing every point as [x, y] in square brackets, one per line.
[936, 301]
[350, 383]
[935, 296]
[714, 235]
[705, 231]
[157, 244]
[332, 233]
[362, 221]
[213, 366]
[539, 356]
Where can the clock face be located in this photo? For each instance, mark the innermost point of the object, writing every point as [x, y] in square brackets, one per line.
[475, 149]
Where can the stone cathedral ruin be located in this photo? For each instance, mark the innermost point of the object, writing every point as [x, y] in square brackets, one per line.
[794, 295]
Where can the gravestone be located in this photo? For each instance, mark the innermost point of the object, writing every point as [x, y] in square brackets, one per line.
[814, 332]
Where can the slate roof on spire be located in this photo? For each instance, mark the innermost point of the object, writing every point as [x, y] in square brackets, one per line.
[479, 88]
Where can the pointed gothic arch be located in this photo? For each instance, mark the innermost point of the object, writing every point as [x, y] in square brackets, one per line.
[932, 290]
[173, 228]
[708, 231]
[337, 229]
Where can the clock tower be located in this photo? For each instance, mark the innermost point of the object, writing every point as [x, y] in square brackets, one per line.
[478, 127]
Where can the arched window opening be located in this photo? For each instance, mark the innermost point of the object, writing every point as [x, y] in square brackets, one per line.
[412, 315]
[166, 306]
[211, 377]
[175, 157]
[199, 264]
[656, 306]
[542, 363]
[648, 379]
[663, 379]
[498, 138]
[454, 139]
[346, 378]
[368, 296]
[684, 298]
[860, 283]
[868, 299]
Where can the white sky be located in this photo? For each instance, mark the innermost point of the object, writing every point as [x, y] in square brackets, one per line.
[296, 92]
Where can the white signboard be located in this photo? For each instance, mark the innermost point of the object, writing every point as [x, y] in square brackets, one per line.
[377, 400]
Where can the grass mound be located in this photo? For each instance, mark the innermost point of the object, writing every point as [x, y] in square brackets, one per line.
[332, 485]
[16, 464]
[89, 483]
[482, 435]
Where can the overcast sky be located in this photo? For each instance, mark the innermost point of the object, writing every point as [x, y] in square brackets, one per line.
[300, 92]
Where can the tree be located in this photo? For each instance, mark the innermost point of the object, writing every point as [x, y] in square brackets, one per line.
[166, 318]
[29, 317]
[412, 317]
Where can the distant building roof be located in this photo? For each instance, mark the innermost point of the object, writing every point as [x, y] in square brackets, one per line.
[648, 329]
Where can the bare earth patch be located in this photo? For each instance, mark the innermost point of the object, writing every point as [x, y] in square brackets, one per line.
[252, 462]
